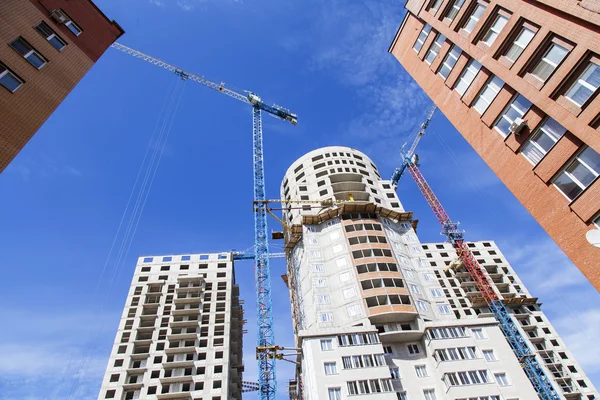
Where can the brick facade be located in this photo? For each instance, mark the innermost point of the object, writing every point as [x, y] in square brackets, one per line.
[572, 25]
[24, 111]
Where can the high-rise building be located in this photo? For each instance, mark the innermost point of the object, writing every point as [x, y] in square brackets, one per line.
[180, 335]
[376, 311]
[47, 47]
[519, 80]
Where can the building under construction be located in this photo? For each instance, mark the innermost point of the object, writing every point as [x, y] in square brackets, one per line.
[376, 311]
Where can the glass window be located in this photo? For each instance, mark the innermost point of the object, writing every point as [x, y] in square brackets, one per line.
[474, 17]
[73, 28]
[488, 94]
[467, 76]
[326, 317]
[597, 222]
[444, 309]
[335, 393]
[435, 5]
[435, 48]
[429, 394]
[330, 368]
[516, 109]
[9, 80]
[395, 373]
[421, 371]
[478, 333]
[51, 36]
[354, 310]
[24, 49]
[422, 37]
[348, 293]
[450, 61]
[520, 43]
[326, 344]
[167, 259]
[422, 305]
[549, 62]
[495, 29]
[579, 173]
[542, 140]
[585, 85]
[501, 379]
[456, 6]
[489, 355]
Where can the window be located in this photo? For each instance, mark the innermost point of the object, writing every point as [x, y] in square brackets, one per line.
[394, 373]
[326, 344]
[450, 61]
[73, 27]
[349, 293]
[338, 248]
[388, 350]
[335, 393]
[326, 317]
[330, 368]
[488, 94]
[549, 62]
[474, 17]
[542, 140]
[585, 86]
[320, 282]
[110, 394]
[489, 355]
[467, 76]
[437, 292]
[579, 173]
[466, 378]
[318, 268]
[494, 31]
[501, 379]
[422, 37]
[51, 36]
[444, 309]
[413, 348]
[456, 6]
[345, 276]
[422, 306]
[421, 371]
[414, 288]
[429, 277]
[354, 310]
[322, 299]
[147, 259]
[9, 80]
[435, 5]
[435, 47]
[520, 43]
[478, 333]
[28, 52]
[516, 109]
[429, 394]
[185, 258]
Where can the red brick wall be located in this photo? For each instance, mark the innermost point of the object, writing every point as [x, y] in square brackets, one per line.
[23, 112]
[565, 222]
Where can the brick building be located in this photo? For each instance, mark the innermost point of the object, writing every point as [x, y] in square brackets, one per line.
[519, 80]
[47, 47]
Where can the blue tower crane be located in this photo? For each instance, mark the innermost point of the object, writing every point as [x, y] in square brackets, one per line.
[266, 351]
[526, 357]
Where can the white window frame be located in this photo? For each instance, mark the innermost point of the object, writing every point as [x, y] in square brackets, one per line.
[395, 373]
[322, 299]
[455, 9]
[73, 27]
[10, 74]
[473, 17]
[512, 106]
[436, 292]
[582, 83]
[345, 276]
[435, 48]
[472, 69]
[326, 347]
[52, 35]
[320, 282]
[354, 310]
[501, 379]
[337, 248]
[414, 288]
[520, 45]
[450, 61]
[31, 52]
[492, 87]
[478, 333]
[489, 355]
[410, 347]
[318, 267]
[349, 293]
[429, 394]
[326, 317]
[532, 146]
[421, 371]
[573, 178]
[422, 306]
[334, 393]
[420, 42]
[495, 29]
[435, 5]
[444, 309]
[330, 368]
[546, 60]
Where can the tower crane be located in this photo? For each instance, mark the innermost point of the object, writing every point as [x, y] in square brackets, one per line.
[266, 352]
[526, 357]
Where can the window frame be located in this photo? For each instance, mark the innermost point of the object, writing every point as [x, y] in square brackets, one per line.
[454, 10]
[445, 64]
[475, 7]
[591, 62]
[53, 35]
[541, 54]
[492, 29]
[431, 47]
[425, 31]
[537, 133]
[513, 40]
[488, 85]
[8, 72]
[507, 109]
[568, 164]
[32, 51]
[464, 72]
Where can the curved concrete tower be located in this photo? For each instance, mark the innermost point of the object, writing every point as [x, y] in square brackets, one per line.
[366, 302]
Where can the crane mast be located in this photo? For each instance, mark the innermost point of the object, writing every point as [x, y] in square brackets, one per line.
[266, 351]
[526, 357]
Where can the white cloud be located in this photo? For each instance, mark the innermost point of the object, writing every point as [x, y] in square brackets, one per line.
[580, 332]
[43, 167]
[188, 5]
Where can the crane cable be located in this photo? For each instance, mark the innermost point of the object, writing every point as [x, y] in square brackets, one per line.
[123, 240]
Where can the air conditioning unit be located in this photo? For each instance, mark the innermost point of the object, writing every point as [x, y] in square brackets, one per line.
[59, 16]
[517, 125]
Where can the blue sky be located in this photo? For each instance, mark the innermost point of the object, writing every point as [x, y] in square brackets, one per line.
[325, 60]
